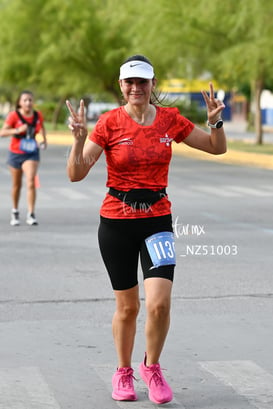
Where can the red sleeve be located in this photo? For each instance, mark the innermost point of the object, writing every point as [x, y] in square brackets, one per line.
[99, 133]
[11, 119]
[182, 127]
[40, 122]
[40, 117]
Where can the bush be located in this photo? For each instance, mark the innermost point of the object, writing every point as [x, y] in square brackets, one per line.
[192, 111]
[48, 109]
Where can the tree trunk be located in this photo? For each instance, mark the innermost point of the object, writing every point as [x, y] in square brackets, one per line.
[57, 112]
[258, 112]
[116, 93]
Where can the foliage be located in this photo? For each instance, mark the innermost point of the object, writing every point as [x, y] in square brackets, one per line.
[48, 109]
[192, 111]
[61, 48]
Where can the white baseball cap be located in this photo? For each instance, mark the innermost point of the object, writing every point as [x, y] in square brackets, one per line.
[136, 69]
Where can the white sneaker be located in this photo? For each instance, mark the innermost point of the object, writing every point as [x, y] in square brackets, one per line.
[31, 220]
[14, 221]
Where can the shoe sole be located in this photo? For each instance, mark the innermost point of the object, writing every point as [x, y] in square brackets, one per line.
[118, 398]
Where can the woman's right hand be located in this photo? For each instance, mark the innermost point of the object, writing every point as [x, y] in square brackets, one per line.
[22, 129]
[77, 121]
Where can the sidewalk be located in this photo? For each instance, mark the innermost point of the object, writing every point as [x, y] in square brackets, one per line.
[234, 131]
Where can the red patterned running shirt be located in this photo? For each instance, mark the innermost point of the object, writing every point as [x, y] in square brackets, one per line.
[14, 121]
[138, 157]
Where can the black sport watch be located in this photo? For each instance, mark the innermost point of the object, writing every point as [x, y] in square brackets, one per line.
[218, 124]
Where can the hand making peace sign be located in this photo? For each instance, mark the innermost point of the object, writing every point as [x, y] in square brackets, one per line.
[77, 121]
[214, 106]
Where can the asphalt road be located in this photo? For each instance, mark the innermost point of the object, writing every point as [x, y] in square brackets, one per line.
[56, 304]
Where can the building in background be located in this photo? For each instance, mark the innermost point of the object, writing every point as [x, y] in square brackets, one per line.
[267, 107]
[188, 91]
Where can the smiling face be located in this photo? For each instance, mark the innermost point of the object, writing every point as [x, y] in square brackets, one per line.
[137, 91]
[26, 103]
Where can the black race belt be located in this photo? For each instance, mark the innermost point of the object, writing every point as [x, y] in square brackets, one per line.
[138, 198]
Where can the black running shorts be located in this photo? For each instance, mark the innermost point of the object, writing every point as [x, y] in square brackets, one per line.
[122, 242]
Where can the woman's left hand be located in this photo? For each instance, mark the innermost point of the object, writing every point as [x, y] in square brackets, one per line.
[43, 145]
[214, 106]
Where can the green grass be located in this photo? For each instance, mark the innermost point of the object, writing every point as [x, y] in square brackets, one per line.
[266, 148]
[60, 127]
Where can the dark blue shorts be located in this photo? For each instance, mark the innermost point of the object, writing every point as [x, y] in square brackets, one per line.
[16, 160]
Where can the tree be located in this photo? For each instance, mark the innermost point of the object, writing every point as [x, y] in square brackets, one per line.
[232, 40]
[19, 42]
[66, 48]
[67, 51]
[248, 56]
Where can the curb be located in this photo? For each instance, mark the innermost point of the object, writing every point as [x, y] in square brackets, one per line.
[259, 160]
[59, 138]
[230, 157]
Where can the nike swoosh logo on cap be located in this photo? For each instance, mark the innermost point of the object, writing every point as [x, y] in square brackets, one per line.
[133, 65]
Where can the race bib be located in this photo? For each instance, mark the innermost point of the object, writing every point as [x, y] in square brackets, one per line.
[161, 249]
[28, 145]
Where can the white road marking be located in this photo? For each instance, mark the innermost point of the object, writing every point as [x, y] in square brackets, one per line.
[249, 191]
[216, 191]
[268, 188]
[52, 194]
[69, 193]
[73, 194]
[43, 196]
[234, 191]
[25, 388]
[246, 378]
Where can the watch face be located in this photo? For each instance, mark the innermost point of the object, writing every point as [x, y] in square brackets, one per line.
[219, 124]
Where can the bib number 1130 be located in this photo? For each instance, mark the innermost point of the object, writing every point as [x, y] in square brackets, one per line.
[161, 249]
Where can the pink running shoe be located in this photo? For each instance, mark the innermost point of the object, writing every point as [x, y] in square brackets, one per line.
[159, 390]
[123, 386]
